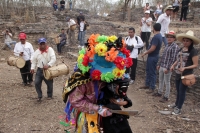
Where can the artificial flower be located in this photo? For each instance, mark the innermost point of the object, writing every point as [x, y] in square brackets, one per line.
[118, 73]
[80, 57]
[86, 60]
[124, 44]
[111, 55]
[82, 51]
[96, 75]
[112, 38]
[120, 62]
[93, 39]
[128, 62]
[101, 49]
[125, 52]
[91, 51]
[102, 39]
[83, 68]
[107, 77]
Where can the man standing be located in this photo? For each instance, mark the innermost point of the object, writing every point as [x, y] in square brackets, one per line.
[152, 59]
[134, 43]
[79, 18]
[184, 9]
[43, 58]
[71, 30]
[25, 50]
[146, 28]
[70, 5]
[164, 20]
[63, 39]
[82, 29]
[8, 39]
[62, 5]
[167, 60]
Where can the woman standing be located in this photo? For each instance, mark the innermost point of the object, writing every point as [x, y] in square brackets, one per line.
[187, 60]
[176, 4]
[146, 28]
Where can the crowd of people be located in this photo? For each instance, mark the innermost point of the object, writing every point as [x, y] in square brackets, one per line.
[107, 65]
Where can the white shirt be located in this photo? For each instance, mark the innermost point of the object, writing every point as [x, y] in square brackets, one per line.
[133, 41]
[145, 27]
[82, 25]
[176, 3]
[164, 20]
[26, 48]
[46, 58]
[71, 22]
[8, 38]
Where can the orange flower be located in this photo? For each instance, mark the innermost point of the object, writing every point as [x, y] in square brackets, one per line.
[93, 39]
[91, 52]
[111, 55]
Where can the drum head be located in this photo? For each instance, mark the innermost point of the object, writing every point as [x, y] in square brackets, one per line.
[47, 74]
[20, 63]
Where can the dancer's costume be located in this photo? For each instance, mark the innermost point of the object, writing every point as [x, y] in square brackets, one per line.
[99, 76]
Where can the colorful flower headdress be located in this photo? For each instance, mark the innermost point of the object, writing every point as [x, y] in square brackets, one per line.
[106, 58]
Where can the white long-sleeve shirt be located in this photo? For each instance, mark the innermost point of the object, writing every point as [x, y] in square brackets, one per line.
[8, 37]
[133, 41]
[164, 20]
[46, 58]
[26, 48]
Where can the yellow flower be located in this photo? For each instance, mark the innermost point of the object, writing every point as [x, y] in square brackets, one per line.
[118, 73]
[80, 57]
[112, 38]
[101, 49]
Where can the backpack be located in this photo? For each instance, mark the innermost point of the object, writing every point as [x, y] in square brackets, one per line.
[139, 49]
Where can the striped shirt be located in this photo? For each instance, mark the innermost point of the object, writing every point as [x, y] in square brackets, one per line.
[169, 56]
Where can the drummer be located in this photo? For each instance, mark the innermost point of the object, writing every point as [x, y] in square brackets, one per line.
[43, 58]
[25, 50]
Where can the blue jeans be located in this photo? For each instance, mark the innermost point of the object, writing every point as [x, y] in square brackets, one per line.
[151, 72]
[62, 8]
[165, 40]
[55, 7]
[181, 91]
[81, 38]
[10, 43]
[70, 6]
[60, 45]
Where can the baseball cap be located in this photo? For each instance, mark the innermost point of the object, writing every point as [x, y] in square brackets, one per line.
[22, 36]
[42, 40]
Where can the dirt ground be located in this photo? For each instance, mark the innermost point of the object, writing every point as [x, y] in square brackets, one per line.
[21, 113]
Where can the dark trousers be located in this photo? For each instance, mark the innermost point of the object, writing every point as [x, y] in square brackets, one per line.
[60, 45]
[25, 73]
[145, 38]
[119, 127]
[181, 91]
[151, 72]
[132, 69]
[184, 11]
[38, 84]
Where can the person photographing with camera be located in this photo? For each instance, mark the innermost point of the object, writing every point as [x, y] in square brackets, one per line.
[8, 39]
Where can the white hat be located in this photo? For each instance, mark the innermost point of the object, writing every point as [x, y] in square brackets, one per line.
[170, 7]
[147, 11]
[189, 35]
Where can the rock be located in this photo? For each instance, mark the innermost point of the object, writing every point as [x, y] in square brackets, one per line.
[169, 130]
[3, 59]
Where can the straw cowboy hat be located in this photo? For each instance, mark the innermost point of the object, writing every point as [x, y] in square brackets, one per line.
[171, 33]
[170, 7]
[189, 35]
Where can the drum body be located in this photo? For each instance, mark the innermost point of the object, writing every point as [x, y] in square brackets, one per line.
[73, 27]
[57, 40]
[56, 71]
[16, 61]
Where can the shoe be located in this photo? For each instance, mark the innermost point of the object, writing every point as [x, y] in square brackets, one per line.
[157, 94]
[79, 46]
[24, 84]
[150, 91]
[176, 111]
[144, 87]
[39, 100]
[49, 98]
[30, 83]
[131, 82]
[163, 100]
[171, 106]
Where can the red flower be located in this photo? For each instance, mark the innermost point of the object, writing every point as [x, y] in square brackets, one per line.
[96, 75]
[126, 52]
[86, 60]
[129, 62]
[119, 62]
